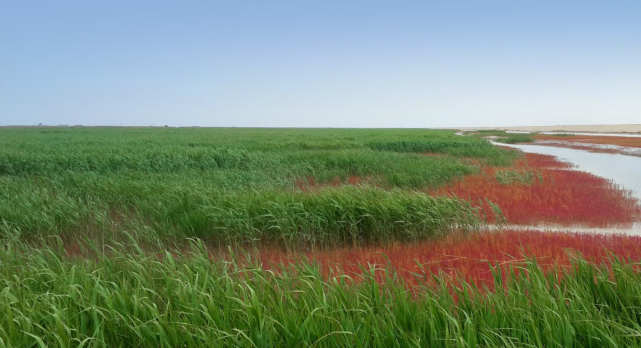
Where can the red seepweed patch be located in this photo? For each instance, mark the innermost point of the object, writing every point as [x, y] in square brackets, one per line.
[468, 257]
[533, 160]
[593, 143]
[556, 195]
[594, 139]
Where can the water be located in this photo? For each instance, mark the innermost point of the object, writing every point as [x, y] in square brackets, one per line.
[621, 169]
[625, 135]
[626, 150]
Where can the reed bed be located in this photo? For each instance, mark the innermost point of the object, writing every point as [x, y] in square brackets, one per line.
[327, 217]
[124, 299]
[515, 138]
[348, 215]
[232, 185]
[94, 221]
[503, 136]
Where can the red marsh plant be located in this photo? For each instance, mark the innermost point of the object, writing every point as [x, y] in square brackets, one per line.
[541, 189]
[470, 257]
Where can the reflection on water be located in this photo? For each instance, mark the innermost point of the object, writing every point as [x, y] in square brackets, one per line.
[621, 169]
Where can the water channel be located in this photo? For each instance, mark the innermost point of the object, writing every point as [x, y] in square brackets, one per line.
[621, 169]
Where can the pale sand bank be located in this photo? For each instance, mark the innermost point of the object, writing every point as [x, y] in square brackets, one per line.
[613, 128]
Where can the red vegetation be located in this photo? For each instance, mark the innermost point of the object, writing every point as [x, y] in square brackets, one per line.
[593, 143]
[594, 139]
[469, 256]
[532, 160]
[555, 195]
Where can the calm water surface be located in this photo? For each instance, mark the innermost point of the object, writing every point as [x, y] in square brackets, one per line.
[625, 135]
[621, 169]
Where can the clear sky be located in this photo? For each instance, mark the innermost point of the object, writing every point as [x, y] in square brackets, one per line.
[322, 63]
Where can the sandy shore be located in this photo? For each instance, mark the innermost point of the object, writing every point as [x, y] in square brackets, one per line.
[614, 128]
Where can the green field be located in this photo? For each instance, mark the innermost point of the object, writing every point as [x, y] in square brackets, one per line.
[147, 237]
[502, 136]
[236, 185]
[131, 299]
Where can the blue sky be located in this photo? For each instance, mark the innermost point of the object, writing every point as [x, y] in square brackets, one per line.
[320, 63]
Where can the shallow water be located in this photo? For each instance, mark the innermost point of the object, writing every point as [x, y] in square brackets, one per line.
[633, 229]
[626, 150]
[621, 169]
[625, 135]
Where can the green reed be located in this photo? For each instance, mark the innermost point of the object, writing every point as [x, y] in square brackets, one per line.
[124, 298]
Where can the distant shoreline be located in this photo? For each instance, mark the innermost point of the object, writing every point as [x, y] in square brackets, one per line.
[614, 128]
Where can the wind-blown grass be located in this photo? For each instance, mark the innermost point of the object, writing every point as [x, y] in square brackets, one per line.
[503, 136]
[515, 138]
[327, 217]
[172, 181]
[468, 147]
[140, 300]
[240, 187]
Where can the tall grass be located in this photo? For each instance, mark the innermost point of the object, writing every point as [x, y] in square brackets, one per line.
[469, 147]
[187, 182]
[516, 138]
[503, 136]
[120, 190]
[329, 217]
[121, 299]
[438, 146]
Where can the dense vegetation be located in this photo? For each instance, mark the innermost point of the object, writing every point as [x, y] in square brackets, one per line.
[516, 138]
[501, 136]
[235, 185]
[125, 299]
[131, 237]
